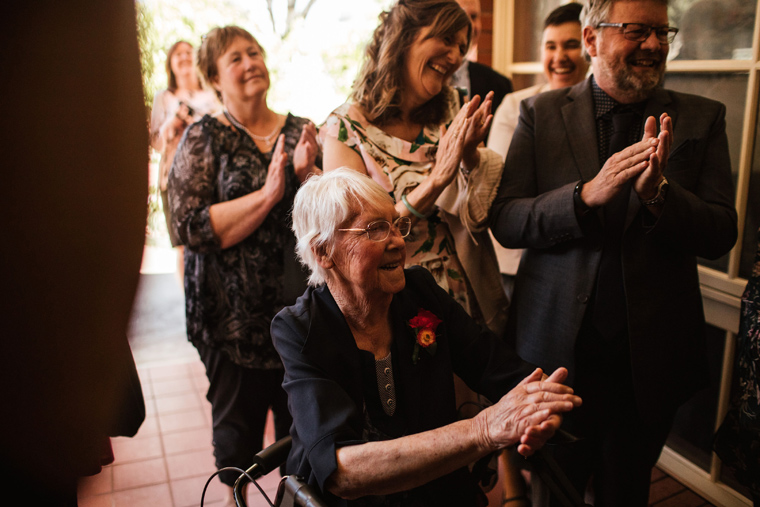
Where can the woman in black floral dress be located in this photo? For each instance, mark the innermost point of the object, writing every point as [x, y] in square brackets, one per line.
[232, 184]
[738, 439]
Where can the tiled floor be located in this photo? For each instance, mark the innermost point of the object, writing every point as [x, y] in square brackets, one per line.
[170, 459]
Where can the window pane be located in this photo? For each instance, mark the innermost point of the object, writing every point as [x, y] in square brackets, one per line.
[529, 27]
[731, 90]
[712, 29]
[752, 216]
[694, 424]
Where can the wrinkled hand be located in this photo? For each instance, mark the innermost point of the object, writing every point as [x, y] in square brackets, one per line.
[274, 187]
[646, 183]
[306, 152]
[618, 170]
[529, 414]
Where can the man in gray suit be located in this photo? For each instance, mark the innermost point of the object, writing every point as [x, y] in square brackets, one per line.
[612, 228]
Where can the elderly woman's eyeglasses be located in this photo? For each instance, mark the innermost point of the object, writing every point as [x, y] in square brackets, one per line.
[639, 32]
[379, 230]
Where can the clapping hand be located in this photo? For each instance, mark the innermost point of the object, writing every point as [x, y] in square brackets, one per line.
[529, 414]
[646, 183]
[450, 150]
[459, 143]
[480, 113]
[619, 168]
[275, 182]
[306, 152]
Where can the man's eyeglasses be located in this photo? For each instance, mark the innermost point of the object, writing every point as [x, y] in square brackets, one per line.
[639, 32]
[379, 230]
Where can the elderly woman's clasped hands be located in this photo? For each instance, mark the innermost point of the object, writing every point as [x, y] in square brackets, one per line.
[528, 415]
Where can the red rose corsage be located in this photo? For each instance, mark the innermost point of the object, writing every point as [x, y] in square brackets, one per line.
[424, 326]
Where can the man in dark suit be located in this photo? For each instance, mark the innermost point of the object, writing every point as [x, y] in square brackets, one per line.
[612, 227]
[474, 77]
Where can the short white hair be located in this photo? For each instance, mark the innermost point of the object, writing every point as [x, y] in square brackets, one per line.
[322, 204]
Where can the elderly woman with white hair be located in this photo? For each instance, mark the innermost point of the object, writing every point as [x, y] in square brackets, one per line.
[369, 351]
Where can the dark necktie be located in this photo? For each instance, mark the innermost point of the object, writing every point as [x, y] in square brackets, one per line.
[610, 315]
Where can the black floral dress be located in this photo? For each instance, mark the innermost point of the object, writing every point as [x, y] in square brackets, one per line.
[738, 439]
[232, 294]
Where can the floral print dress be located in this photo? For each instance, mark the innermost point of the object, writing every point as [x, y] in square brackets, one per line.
[399, 166]
[232, 294]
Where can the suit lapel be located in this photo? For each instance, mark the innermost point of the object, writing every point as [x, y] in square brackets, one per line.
[580, 126]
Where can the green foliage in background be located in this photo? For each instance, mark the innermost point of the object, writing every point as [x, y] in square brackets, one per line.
[161, 23]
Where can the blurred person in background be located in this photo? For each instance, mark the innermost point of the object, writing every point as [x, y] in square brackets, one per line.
[182, 103]
[474, 77]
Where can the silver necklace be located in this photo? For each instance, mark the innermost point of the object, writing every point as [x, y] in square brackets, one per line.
[264, 139]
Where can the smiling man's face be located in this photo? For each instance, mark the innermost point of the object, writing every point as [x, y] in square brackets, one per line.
[628, 71]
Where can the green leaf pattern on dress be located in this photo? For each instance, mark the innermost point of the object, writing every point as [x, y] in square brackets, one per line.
[399, 165]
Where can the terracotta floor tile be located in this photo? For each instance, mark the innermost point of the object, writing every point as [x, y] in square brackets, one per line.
[170, 403]
[171, 386]
[147, 388]
[187, 492]
[126, 450]
[664, 488]
[188, 420]
[144, 374]
[200, 381]
[138, 474]
[94, 485]
[657, 474]
[190, 464]
[96, 501]
[184, 441]
[148, 428]
[150, 496]
[685, 498]
[198, 368]
[171, 371]
[150, 407]
[207, 414]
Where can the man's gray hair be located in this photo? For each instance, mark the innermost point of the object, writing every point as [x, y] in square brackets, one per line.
[325, 202]
[598, 11]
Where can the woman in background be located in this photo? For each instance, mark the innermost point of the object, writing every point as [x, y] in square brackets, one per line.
[182, 103]
[231, 189]
[737, 441]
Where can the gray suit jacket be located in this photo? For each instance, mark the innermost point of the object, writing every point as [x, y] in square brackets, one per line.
[555, 146]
